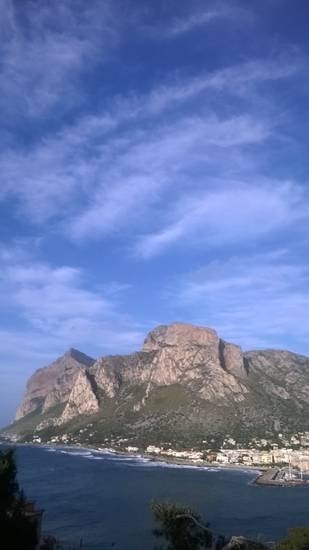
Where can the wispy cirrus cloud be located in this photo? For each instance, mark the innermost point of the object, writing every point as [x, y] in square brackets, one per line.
[183, 25]
[195, 17]
[201, 18]
[152, 166]
[46, 48]
[227, 214]
[96, 175]
[242, 80]
[258, 300]
[56, 306]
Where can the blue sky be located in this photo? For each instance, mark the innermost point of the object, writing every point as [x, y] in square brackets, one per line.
[153, 167]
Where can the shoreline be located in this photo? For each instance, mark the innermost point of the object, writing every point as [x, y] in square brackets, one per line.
[163, 460]
[261, 476]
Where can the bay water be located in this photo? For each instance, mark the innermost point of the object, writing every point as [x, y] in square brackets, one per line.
[104, 499]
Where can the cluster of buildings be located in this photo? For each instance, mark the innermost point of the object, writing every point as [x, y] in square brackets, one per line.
[193, 456]
[275, 456]
[297, 458]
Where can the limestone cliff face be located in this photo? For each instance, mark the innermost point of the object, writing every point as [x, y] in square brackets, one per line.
[82, 399]
[232, 359]
[181, 335]
[178, 353]
[53, 384]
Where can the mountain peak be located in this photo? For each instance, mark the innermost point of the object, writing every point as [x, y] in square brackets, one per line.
[79, 356]
[179, 334]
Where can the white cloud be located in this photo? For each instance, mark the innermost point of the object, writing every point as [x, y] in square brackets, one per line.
[256, 300]
[99, 155]
[180, 26]
[121, 172]
[192, 19]
[151, 165]
[45, 47]
[56, 308]
[231, 213]
[240, 80]
[120, 179]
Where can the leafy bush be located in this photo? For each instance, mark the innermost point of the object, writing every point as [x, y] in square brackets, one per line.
[297, 539]
[181, 527]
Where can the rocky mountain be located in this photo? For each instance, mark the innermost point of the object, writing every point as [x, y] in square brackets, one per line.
[52, 385]
[185, 387]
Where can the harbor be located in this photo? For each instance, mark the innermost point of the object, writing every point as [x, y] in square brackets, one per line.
[282, 477]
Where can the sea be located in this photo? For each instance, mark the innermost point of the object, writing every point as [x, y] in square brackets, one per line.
[99, 500]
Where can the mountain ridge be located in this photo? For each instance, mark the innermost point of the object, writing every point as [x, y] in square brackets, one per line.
[185, 385]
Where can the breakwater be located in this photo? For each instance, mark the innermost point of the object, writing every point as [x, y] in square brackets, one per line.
[276, 477]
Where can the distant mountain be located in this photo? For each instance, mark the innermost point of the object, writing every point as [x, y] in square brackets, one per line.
[186, 387]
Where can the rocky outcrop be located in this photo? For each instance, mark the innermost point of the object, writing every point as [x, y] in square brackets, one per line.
[82, 399]
[53, 384]
[180, 335]
[232, 359]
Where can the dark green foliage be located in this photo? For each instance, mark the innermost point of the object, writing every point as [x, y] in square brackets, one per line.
[18, 527]
[180, 527]
[297, 539]
[8, 484]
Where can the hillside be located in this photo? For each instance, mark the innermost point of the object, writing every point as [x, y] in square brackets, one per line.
[186, 387]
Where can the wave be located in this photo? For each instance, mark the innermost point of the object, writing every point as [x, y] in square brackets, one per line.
[136, 460]
[148, 462]
[71, 452]
[74, 453]
[129, 459]
[92, 457]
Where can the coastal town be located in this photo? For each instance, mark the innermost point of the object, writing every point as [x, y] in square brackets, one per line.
[247, 457]
[291, 457]
[285, 463]
[276, 456]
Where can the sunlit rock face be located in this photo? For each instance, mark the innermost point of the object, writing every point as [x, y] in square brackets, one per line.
[53, 384]
[178, 353]
[197, 356]
[82, 399]
[180, 335]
